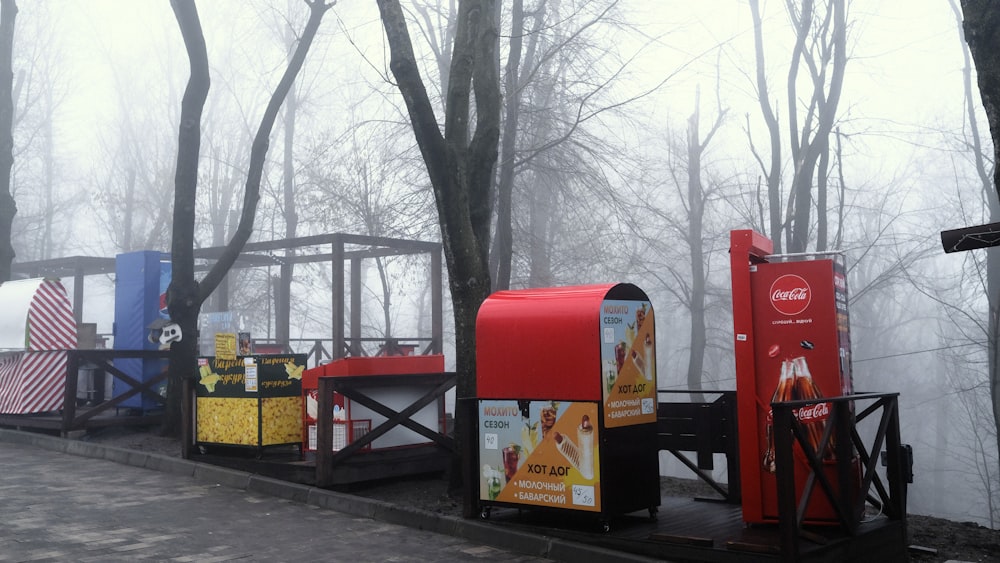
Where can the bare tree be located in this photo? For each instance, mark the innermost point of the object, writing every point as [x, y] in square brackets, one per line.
[821, 47]
[556, 163]
[672, 221]
[696, 201]
[980, 32]
[771, 170]
[504, 241]
[8, 209]
[460, 169]
[437, 24]
[981, 25]
[132, 191]
[185, 295]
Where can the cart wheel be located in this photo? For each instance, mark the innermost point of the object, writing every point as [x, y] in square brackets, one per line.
[653, 510]
[484, 513]
[605, 526]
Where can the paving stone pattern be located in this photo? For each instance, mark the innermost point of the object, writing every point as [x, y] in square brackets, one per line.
[60, 507]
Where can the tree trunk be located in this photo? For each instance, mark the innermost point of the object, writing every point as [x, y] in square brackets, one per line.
[807, 150]
[8, 209]
[772, 173]
[982, 32]
[461, 172]
[183, 299]
[542, 202]
[503, 249]
[696, 201]
[283, 295]
[49, 160]
[696, 210]
[822, 183]
[185, 295]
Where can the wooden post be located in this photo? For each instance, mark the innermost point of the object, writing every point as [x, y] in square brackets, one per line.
[69, 398]
[337, 263]
[893, 461]
[437, 321]
[846, 471]
[187, 417]
[324, 432]
[355, 346]
[732, 448]
[788, 520]
[78, 294]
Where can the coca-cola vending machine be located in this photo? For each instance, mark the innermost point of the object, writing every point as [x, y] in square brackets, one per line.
[793, 342]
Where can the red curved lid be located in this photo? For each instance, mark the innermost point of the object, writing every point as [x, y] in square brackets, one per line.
[544, 343]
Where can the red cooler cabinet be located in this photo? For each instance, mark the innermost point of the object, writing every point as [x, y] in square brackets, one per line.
[566, 385]
[792, 343]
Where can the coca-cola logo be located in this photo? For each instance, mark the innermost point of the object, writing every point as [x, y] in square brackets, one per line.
[814, 413]
[790, 294]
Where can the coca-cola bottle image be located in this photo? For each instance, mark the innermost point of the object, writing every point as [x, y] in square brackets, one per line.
[783, 392]
[812, 417]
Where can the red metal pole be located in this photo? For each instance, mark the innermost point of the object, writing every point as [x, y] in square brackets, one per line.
[746, 247]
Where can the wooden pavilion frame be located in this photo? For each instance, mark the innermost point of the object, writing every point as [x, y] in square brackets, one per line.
[336, 248]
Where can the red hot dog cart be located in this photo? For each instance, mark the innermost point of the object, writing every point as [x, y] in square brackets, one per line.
[566, 384]
[792, 343]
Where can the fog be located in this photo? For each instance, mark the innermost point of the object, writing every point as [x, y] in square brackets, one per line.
[96, 134]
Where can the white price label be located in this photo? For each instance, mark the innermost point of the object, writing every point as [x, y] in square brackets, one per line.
[250, 378]
[583, 495]
[490, 441]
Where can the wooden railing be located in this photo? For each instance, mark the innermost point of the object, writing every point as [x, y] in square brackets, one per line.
[103, 360]
[888, 495]
[72, 417]
[353, 388]
[705, 428]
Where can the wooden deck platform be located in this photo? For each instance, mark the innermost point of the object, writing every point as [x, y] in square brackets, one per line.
[684, 529]
[687, 529]
[56, 422]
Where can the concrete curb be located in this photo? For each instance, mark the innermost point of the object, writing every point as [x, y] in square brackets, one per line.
[527, 543]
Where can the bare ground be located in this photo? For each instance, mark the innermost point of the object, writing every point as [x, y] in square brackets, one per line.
[932, 540]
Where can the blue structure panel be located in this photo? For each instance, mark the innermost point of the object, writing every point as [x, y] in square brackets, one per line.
[141, 280]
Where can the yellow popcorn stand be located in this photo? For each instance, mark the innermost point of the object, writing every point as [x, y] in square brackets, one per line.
[253, 401]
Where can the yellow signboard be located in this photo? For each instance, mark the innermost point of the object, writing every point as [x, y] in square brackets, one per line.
[225, 345]
[542, 453]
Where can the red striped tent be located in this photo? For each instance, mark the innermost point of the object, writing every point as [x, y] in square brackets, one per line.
[36, 329]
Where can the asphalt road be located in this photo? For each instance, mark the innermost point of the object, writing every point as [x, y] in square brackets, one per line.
[60, 507]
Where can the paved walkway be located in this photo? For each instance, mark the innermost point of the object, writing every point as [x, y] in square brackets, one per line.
[60, 507]
[66, 500]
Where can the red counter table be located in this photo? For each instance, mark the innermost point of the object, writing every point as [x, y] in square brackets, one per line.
[352, 421]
